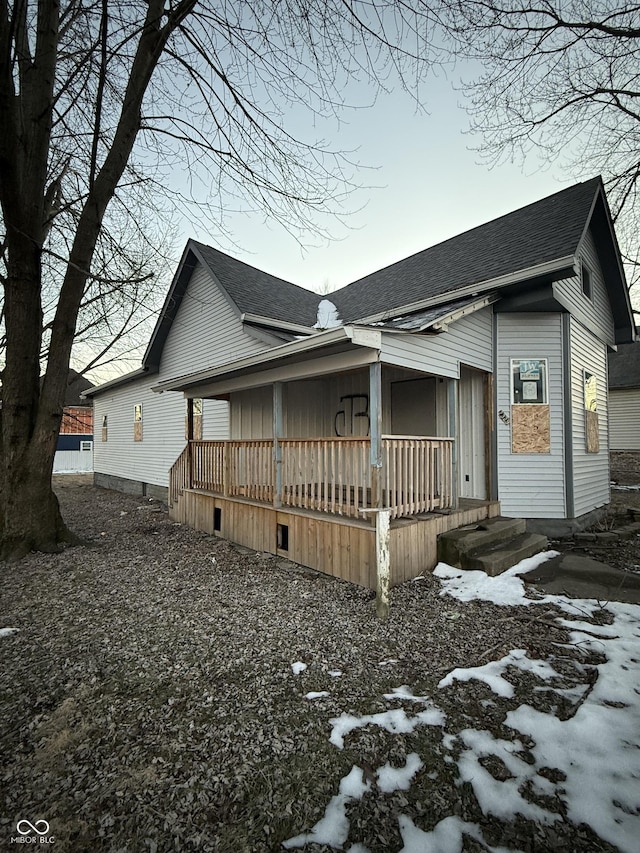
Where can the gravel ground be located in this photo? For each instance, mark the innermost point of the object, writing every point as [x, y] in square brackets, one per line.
[148, 700]
[625, 555]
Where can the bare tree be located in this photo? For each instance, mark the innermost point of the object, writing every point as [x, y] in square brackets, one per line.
[100, 102]
[560, 78]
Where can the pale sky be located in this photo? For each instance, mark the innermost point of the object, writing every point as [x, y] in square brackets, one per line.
[425, 185]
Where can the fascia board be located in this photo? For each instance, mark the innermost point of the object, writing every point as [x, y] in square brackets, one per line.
[140, 373]
[547, 268]
[443, 323]
[317, 341]
[270, 323]
[323, 365]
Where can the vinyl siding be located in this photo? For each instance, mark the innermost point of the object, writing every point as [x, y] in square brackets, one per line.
[206, 331]
[468, 341]
[530, 485]
[73, 461]
[163, 431]
[624, 419]
[590, 470]
[310, 408]
[595, 313]
[313, 408]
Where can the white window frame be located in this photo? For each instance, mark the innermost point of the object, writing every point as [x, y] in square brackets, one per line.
[518, 361]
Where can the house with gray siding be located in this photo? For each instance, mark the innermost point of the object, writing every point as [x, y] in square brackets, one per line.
[624, 398]
[467, 380]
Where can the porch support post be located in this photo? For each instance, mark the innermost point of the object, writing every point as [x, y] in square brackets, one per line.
[383, 563]
[277, 447]
[189, 440]
[453, 433]
[382, 518]
[375, 417]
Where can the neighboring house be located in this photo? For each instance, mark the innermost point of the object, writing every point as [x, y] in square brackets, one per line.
[472, 373]
[624, 398]
[74, 450]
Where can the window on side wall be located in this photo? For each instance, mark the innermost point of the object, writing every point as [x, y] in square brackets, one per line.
[591, 422]
[530, 414]
[585, 276]
[105, 431]
[137, 422]
[529, 381]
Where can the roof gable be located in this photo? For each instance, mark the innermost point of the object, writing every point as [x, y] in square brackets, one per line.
[249, 290]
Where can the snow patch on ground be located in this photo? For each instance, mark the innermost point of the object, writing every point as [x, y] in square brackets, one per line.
[316, 694]
[6, 632]
[589, 762]
[399, 778]
[507, 589]
[333, 828]
[491, 673]
[445, 837]
[298, 667]
[395, 721]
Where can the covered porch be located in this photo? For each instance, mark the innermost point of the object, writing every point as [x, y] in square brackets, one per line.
[328, 436]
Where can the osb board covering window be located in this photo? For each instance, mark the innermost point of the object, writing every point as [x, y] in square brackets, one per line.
[592, 430]
[591, 425]
[530, 429]
[137, 422]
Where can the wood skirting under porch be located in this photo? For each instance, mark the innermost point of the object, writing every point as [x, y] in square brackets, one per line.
[338, 546]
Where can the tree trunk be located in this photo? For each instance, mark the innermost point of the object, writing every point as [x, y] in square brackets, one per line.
[29, 513]
[31, 516]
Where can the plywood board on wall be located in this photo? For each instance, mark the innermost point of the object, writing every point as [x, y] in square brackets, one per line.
[530, 428]
[592, 431]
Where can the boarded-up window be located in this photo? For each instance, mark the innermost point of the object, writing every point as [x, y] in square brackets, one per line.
[530, 416]
[105, 432]
[197, 419]
[591, 423]
[137, 422]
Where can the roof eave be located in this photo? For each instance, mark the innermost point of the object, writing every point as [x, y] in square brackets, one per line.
[120, 380]
[270, 323]
[319, 340]
[553, 269]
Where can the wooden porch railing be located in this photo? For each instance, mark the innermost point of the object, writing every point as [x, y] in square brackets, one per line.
[325, 474]
[417, 474]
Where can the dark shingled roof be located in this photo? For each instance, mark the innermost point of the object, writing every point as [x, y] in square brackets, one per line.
[624, 366]
[540, 232]
[543, 232]
[257, 292]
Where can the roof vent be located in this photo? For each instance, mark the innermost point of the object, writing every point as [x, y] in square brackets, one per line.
[327, 315]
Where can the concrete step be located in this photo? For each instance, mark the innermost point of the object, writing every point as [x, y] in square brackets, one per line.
[498, 557]
[454, 545]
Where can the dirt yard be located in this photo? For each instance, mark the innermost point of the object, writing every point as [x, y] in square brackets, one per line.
[149, 702]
